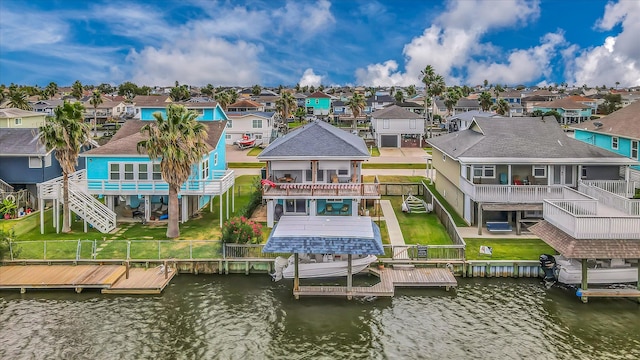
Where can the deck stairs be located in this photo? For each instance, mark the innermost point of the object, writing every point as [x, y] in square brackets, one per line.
[81, 202]
[415, 205]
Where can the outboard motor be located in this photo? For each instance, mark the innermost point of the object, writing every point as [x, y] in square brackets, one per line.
[548, 265]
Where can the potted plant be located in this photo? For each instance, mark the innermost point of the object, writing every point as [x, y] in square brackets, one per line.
[380, 264]
[8, 208]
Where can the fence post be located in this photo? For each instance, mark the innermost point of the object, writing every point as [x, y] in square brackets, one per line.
[190, 249]
[78, 249]
[128, 249]
[224, 252]
[158, 249]
[10, 250]
[44, 256]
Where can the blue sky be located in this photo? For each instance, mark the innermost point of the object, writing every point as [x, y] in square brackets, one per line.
[355, 42]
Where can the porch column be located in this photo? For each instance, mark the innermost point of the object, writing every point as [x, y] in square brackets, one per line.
[147, 207]
[639, 279]
[227, 204]
[509, 181]
[270, 209]
[349, 276]
[627, 173]
[518, 216]
[41, 207]
[233, 197]
[584, 279]
[296, 275]
[579, 175]
[479, 218]
[313, 209]
[220, 200]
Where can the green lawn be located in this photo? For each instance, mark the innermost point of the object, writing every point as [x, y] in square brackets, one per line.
[457, 219]
[374, 151]
[245, 165]
[507, 249]
[254, 151]
[424, 229]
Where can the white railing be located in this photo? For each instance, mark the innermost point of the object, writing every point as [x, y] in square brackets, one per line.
[579, 219]
[616, 201]
[322, 190]
[221, 182]
[4, 187]
[90, 209]
[517, 193]
[618, 187]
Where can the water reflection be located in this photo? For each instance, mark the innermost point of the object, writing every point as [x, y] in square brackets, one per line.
[240, 317]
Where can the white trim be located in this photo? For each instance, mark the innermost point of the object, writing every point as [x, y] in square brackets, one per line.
[546, 161]
[539, 167]
[636, 148]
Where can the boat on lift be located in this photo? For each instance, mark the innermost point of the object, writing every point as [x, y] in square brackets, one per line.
[320, 266]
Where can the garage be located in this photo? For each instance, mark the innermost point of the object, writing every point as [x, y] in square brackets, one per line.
[389, 141]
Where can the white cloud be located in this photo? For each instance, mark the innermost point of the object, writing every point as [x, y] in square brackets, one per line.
[452, 40]
[24, 31]
[309, 78]
[618, 58]
[522, 66]
[305, 17]
[196, 59]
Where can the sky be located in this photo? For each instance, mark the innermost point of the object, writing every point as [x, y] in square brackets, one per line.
[347, 42]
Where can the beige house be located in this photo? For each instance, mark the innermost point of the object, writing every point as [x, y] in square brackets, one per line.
[18, 118]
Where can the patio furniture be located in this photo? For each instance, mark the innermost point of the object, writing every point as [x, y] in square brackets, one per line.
[329, 208]
[344, 209]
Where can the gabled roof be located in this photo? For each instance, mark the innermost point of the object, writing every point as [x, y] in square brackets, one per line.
[395, 112]
[522, 139]
[380, 99]
[239, 114]
[15, 142]
[14, 113]
[319, 94]
[125, 141]
[245, 103]
[151, 100]
[624, 122]
[315, 140]
[468, 103]
[469, 115]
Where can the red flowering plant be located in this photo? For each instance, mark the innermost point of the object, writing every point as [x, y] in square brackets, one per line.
[240, 230]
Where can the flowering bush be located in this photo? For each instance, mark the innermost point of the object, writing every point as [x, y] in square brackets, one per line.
[241, 230]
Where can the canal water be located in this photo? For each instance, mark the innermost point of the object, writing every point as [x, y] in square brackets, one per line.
[250, 317]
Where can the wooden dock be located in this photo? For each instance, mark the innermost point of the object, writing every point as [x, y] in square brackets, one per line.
[625, 293]
[108, 278]
[389, 280]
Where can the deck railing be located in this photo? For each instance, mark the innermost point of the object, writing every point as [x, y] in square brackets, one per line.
[614, 200]
[511, 193]
[579, 219]
[425, 252]
[619, 187]
[322, 190]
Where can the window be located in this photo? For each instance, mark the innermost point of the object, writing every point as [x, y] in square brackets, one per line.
[317, 101]
[143, 172]
[385, 123]
[539, 171]
[215, 159]
[484, 171]
[204, 169]
[157, 173]
[200, 112]
[128, 172]
[114, 172]
[343, 172]
[614, 143]
[18, 121]
[320, 175]
[34, 162]
[229, 123]
[412, 123]
[256, 123]
[227, 137]
[634, 150]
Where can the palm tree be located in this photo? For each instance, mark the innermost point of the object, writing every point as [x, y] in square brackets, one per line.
[485, 83]
[207, 90]
[485, 101]
[451, 98]
[256, 90]
[224, 99]
[286, 104]
[497, 90]
[18, 99]
[399, 96]
[357, 104]
[434, 86]
[372, 91]
[179, 142]
[66, 133]
[411, 90]
[501, 107]
[77, 90]
[95, 101]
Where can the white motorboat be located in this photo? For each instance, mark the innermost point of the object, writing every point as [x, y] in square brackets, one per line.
[320, 266]
[611, 271]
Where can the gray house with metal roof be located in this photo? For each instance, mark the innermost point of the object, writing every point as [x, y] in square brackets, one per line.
[514, 165]
[315, 195]
[395, 126]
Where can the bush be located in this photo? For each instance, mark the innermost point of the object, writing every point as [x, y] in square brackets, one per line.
[241, 230]
[254, 201]
[5, 237]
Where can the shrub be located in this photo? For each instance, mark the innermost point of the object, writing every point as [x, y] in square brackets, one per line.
[5, 237]
[240, 230]
[254, 201]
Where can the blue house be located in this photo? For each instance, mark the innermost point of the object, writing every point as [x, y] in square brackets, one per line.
[571, 112]
[618, 132]
[131, 183]
[207, 111]
[318, 103]
[24, 161]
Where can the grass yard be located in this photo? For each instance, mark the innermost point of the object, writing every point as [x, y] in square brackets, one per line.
[424, 229]
[374, 151]
[245, 165]
[254, 151]
[507, 249]
[457, 219]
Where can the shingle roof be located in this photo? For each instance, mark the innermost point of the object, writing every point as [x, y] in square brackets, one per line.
[522, 138]
[564, 104]
[245, 103]
[569, 247]
[14, 112]
[317, 139]
[125, 141]
[319, 94]
[395, 112]
[624, 122]
[468, 103]
[470, 115]
[338, 235]
[238, 114]
[151, 100]
[20, 142]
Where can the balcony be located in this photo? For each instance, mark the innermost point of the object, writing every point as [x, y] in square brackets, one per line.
[322, 190]
[515, 194]
[221, 182]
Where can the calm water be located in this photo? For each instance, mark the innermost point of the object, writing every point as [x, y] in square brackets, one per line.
[250, 317]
